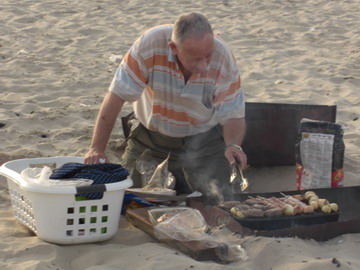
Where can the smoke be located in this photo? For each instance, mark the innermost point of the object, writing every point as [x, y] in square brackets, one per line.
[207, 169]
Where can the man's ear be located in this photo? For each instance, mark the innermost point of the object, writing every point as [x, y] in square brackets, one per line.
[173, 47]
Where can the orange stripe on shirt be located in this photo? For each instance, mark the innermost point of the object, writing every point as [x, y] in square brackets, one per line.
[232, 89]
[157, 60]
[134, 66]
[171, 122]
[172, 114]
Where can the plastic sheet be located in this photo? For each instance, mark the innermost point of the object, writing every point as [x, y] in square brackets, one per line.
[188, 224]
[155, 176]
[41, 176]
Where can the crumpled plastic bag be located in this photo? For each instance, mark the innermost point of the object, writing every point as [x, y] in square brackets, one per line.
[182, 225]
[155, 176]
[41, 176]
[190, 225]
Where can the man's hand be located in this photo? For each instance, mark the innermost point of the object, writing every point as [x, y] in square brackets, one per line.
[93, 157]
[235, 154]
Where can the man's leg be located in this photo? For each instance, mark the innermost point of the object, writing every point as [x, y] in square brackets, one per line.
[198, 162]
[153, 147]
[206, 168]
[133, 150]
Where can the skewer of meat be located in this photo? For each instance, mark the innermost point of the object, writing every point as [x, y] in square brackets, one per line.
[259, 201]
[292, 200]
[280, 203]
[298, 205]
[274, 206]
[230, 204]
[252, 201]
[277, 202]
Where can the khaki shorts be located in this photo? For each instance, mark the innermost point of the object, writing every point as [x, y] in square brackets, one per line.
[197, 162]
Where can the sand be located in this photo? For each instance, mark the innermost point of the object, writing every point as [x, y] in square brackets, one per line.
[56, 63]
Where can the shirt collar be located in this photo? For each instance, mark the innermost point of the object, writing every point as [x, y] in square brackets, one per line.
[171, 56]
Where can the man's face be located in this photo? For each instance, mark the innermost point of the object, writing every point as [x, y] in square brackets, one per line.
[195, 53]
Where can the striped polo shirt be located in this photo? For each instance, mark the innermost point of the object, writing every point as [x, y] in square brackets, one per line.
[150, 77]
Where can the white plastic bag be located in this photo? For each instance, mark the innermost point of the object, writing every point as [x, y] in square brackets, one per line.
[41, 176]
[155, 176]
[188, 224]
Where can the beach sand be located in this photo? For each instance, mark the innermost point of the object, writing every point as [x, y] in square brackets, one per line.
[56, 63]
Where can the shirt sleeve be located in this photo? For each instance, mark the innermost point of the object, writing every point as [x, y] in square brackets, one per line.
[131, 76]
[229, 100]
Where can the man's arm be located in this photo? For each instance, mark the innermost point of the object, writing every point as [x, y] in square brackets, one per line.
[234, 133]
[109, 110]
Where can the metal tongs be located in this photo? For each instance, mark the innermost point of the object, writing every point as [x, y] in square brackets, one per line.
[237, 173]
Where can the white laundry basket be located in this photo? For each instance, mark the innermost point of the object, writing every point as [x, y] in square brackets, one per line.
[53, 212]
